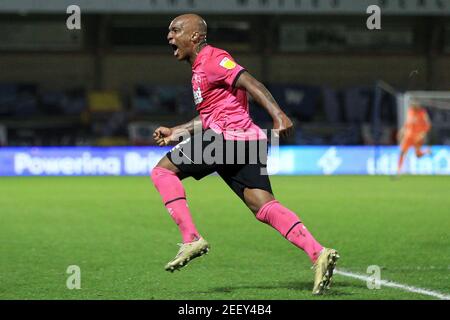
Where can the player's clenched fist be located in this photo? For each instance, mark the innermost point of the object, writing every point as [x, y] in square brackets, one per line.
[283, 126]
[162, 136]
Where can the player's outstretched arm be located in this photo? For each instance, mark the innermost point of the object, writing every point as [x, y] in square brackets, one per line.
[281, 122]
[164, 135]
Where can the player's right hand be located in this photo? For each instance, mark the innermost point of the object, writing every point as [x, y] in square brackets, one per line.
[162, 136]
[283, 126]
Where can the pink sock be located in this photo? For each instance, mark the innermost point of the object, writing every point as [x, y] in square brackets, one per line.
[289, 225]
[174, 197]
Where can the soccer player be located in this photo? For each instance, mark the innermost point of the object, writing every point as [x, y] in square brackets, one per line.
[414, 132]
[220, 89]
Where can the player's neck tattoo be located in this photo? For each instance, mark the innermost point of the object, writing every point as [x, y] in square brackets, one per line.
[201, 45]
[197, 49]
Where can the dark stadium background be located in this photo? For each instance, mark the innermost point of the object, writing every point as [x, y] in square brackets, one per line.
[115, 80]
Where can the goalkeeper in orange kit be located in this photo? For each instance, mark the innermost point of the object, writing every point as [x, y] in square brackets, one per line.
[414, 132]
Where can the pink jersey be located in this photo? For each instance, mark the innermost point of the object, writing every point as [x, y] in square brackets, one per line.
[222, 107]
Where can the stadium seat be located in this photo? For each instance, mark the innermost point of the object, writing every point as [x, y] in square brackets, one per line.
[52, 101]
[259, 115]
[297, 100]
[74, 101]
[162, 99]
[184, 100]
[347, 136]
[303, 138]
[8, 95]
[26, 103]
[104, 101]
[141, 132]
[331, 105]
[145, 100]
[357, 104]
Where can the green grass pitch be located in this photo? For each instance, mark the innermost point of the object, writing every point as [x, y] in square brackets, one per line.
[120, 235]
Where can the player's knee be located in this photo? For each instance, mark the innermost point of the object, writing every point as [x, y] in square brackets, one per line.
[256, 199]
[159, 172]
[155, 174]
[254, 207]
[265, 212]
[166, 164]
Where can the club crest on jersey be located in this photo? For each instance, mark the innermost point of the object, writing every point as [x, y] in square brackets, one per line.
[198, 96]
[196, 78]
[227, 63]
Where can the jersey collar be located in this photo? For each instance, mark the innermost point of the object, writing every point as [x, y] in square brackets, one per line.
[200, 54]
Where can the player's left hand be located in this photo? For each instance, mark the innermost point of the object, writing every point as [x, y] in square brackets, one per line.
[163, 136]
[283, 126]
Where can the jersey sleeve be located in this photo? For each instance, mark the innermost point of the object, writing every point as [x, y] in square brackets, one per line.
[221, 69]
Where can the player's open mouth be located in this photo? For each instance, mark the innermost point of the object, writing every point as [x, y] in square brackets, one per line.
[175, 49]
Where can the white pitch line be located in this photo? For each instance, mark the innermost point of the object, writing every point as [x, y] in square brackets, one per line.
[391, 284]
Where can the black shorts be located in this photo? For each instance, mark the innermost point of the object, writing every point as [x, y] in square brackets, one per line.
[241, 164]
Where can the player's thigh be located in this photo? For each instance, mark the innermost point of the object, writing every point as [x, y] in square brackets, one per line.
[256, 198]
[407, 143]
[250, 183]
[419, 139]
[167, 164]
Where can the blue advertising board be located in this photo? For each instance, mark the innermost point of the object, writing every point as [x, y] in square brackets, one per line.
[285, 160]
